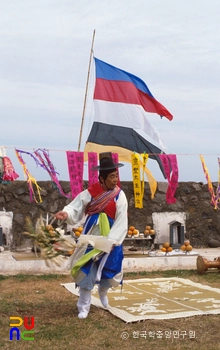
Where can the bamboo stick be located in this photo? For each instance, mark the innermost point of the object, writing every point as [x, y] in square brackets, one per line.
[85, 98]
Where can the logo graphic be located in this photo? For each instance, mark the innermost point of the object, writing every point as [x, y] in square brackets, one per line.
[28, 324]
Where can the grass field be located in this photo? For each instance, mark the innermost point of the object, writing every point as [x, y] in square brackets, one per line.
[58, 327]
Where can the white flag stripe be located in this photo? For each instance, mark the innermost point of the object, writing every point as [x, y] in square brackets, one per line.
[127, 115]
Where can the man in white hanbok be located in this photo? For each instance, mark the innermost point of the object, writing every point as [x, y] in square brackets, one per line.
[98, 259]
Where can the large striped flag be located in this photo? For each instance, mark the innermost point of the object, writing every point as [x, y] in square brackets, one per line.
[121, 103]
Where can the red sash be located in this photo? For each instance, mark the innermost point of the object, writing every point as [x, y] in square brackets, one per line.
[103, 201]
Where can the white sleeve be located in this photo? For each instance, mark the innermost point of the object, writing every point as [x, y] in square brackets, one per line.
[76, 208]
[119, 228]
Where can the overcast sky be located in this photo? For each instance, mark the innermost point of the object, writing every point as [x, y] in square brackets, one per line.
[173, 45]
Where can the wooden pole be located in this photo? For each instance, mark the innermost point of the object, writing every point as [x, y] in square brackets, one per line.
[87, 83]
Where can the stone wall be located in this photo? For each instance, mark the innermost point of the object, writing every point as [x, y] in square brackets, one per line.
[202, 220]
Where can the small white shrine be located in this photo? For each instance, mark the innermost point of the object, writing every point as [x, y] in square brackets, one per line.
[169, 227]
[6, 228]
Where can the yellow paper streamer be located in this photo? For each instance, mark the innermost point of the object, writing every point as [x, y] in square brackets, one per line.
[30, 179]
[214, 199]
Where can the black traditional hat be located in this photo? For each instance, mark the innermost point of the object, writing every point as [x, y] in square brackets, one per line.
[106, 162]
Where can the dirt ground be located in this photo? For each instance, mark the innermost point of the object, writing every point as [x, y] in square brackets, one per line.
[58, 327]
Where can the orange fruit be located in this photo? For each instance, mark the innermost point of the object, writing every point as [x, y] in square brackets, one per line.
[163, 249]
[135, 232]
[186, 242]
[131, 228]
[77, 233]
[169, 249]
[49, 227]
[79, 229]
[148, 227]
[152, 232]
[189, 248]
[183, 247]
[166, 244]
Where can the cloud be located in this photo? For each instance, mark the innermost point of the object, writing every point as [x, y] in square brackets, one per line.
[173, 46]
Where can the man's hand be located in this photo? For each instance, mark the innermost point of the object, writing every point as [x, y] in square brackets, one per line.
[61, 215]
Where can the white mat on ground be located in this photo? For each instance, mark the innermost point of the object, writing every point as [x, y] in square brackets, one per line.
[158, 298]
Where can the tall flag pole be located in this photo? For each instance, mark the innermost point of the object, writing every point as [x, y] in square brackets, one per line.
[85, 98]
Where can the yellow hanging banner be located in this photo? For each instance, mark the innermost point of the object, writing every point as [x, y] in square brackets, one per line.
[138, 199]
[144, 162]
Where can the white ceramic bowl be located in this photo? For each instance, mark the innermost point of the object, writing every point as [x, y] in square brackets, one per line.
[137, 235]
[152, 253]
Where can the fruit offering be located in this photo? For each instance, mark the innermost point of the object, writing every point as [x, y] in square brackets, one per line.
[186, 247]
[132, 232]
[148, 231]
[77, 231]
[49, 240]
[166, 248]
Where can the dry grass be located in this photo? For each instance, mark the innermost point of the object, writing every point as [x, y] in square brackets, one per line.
[58, 327]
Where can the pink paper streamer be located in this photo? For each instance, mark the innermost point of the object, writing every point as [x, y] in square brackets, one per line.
[9, 173]
[75, 166]
[93, 174]
[49, 167]
[217, 196]
[172, 177]
[115, 160]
